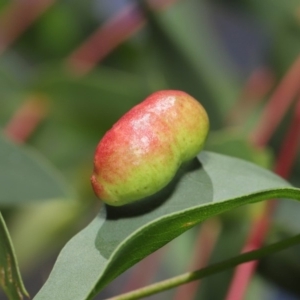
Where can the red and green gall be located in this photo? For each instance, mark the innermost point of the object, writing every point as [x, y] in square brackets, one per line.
[143, 150]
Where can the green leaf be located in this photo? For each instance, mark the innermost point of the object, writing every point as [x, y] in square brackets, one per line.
[210, 270]
[10, 279]
[26, 176]
[119, 237]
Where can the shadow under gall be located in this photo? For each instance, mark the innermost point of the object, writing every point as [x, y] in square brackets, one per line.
[152, 202]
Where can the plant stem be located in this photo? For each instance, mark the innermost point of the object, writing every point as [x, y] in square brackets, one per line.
[205, 243]
[27, 118]
[17, 16]
[259, 229]
[277, 106]
[215, 268]
[109, 36]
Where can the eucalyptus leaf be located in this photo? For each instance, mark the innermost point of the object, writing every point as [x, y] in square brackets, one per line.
[119, 237]
[10, 279]
[26, 176]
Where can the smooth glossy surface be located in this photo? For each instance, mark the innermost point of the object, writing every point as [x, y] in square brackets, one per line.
[144, 149]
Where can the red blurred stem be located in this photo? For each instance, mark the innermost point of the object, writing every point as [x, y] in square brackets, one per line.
[288, 151]
[145, 271]
[205, 243]
[283, 167]
[26, 119]
[257, 86]
[109, 36]
[105, 39]
[277, 106]
[244, 272]
[17, 17]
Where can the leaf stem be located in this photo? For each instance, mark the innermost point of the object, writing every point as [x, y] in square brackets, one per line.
[274, 111]
[27, 118]
[210, 270]
[17, 16]
[110, 35]
[206, 240]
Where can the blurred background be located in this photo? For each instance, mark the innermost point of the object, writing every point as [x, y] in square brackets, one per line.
[70, 69]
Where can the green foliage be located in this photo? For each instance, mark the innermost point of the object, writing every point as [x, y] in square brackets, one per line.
[121, 236]
[178, 47]
[10, 280]
[58, 32]
[25, 177]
